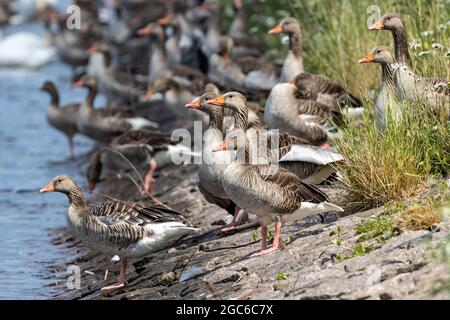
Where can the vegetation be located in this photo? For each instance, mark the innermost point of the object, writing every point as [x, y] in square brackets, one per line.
[418, 218]
[381, 167]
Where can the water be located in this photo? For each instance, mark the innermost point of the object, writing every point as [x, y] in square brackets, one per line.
[31, 154]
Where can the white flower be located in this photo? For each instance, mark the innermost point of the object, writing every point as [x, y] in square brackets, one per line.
[415, 44]
[447, 54]
[422, 53]
[436, 45]
[427, 33]
[442, 26]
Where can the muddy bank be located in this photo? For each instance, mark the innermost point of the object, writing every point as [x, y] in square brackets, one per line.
[207, 266]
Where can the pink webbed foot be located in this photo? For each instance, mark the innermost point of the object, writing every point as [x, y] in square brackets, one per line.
[228, 228]
[122, 277]
[113, 286]
[264, 252]
[233, 222]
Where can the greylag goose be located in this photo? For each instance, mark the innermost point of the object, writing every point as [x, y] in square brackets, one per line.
[311, 164]
[144, 149]
[293, 63]
[126, 229]
[434, 91]
[237, 27]
[267, 191]
[119, 86]
[214, 164]
[158, 65]
[105, 124]
[63, 118]
[176, 96]
[328, 90]
[222, 69]
[386, 99]
[246, 72]
[298, 115]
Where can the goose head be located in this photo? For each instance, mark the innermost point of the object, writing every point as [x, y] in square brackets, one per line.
[226, 45]
[85, 81]
[103, 50]
[201, 103]
[63, 184]
[161, 85]
[287, 26]
[48, 86]
[152, 30]
[231, 100]
[390, 21]
[303, 91]
[380, 54]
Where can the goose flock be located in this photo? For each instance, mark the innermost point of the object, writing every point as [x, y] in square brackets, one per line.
[176, 57]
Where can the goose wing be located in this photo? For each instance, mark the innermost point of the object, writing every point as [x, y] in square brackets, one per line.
[122, 212]
[290, 183]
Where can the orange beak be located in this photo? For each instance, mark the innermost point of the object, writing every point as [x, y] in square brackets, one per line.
[148, 94]
[221, 147]
[219, 101]
[92, 50]
[48, 188]
[368, 58]
[379, 25]
[145, 31]
[77, 84]
[164, 21]
[276, 30]
[195, 104]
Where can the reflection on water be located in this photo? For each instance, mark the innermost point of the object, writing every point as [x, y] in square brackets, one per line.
[31, 154]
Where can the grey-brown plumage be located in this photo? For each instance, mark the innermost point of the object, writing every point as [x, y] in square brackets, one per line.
[266, 190]
[120, 228]
[326, 91]
[62, 118]
[315, 172]
[433, 91]
[104, 124]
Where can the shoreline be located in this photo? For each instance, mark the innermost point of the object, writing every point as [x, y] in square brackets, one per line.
[207, 266]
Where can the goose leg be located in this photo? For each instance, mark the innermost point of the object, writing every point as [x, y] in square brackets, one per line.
[264, 237]
[275, 244]
[233, 223]
[148, 180]
[122, 277]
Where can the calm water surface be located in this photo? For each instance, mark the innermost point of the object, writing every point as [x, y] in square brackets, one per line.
[31, 154]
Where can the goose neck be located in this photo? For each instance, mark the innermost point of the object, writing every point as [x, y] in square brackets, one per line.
[54, 96]
[92, 93]
[76, 198]
[402, 54]
[295, 44]
[387, 75]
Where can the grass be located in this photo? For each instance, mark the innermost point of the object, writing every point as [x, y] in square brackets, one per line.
[381, 167]
[335, 35]
[394, 164]
[418, 218]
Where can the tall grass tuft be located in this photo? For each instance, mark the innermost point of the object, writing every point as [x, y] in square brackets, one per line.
[381, 166]
[394, 163]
